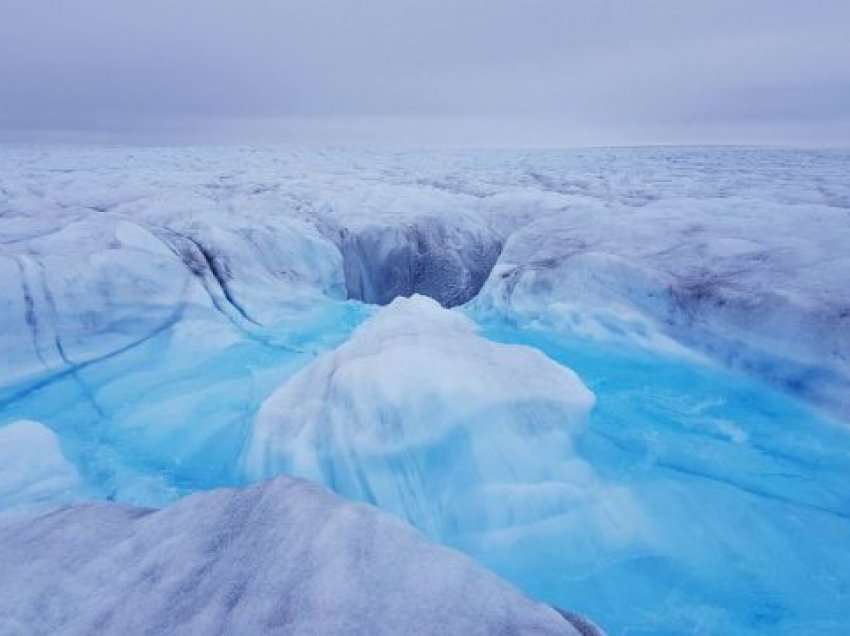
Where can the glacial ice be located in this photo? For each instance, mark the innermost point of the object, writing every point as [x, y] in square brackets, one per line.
[283, 557]
[153, 299]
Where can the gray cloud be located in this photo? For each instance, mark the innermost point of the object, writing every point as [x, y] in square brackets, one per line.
[518, 71]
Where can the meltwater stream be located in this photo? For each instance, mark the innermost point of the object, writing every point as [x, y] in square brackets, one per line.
[741, 512]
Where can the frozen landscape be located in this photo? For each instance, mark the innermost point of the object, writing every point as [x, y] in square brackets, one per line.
[609, 381]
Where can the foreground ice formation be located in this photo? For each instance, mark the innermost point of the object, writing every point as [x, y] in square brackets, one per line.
[418, 414]
[284, 557]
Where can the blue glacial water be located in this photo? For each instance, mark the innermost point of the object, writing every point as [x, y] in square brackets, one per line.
[746, 493]
[743, 494]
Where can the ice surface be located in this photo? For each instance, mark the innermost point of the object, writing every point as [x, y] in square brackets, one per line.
[285, 557]
[419, 415]
[757, 287]
[735, 253]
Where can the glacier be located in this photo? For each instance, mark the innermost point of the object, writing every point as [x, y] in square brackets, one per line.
[178, 321]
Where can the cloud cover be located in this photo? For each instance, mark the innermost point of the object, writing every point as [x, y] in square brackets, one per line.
[534, 72]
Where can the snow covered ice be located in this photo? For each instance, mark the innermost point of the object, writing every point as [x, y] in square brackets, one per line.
[283, 557]
[635, 382]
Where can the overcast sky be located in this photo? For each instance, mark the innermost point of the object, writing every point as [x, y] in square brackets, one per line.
[481, 72]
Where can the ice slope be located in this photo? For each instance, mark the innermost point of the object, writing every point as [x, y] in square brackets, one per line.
[283, 557]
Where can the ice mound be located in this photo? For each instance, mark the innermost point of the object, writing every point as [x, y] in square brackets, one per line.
[283, 557]
[33, 469]
[419, 415]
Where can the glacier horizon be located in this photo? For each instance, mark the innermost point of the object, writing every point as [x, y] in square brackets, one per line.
[157, 303]
[749, 279]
